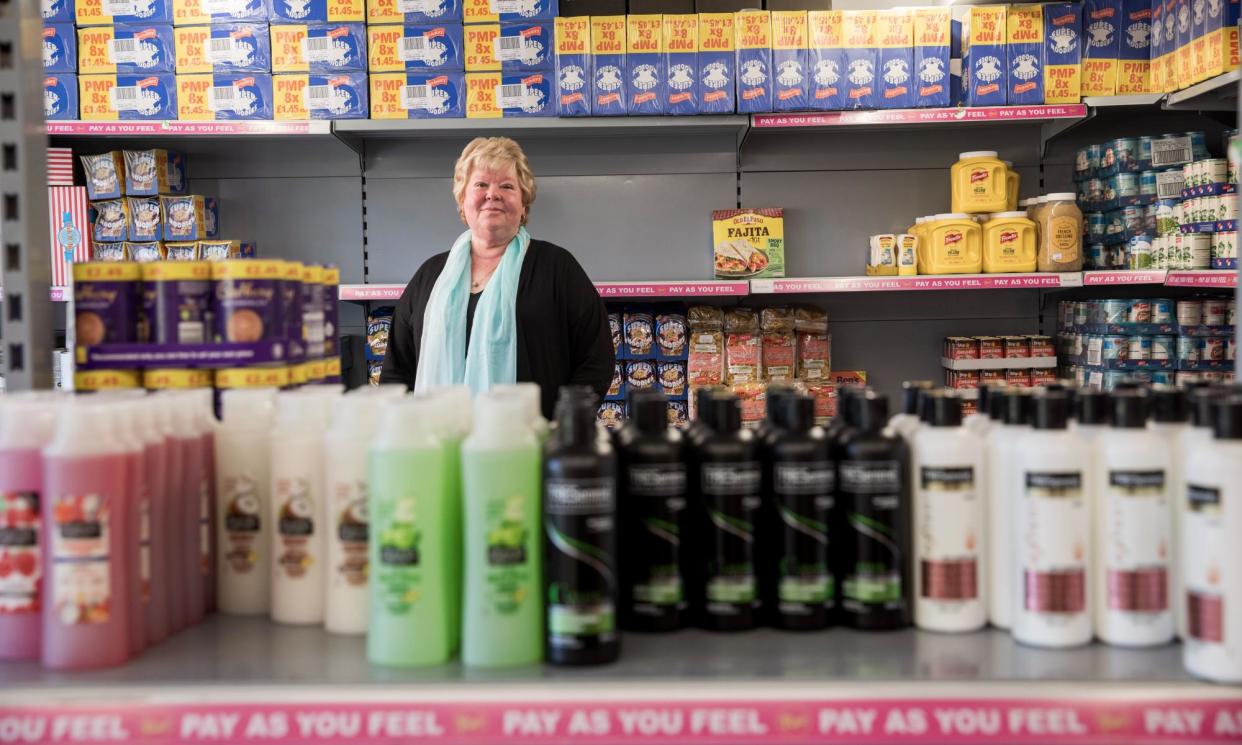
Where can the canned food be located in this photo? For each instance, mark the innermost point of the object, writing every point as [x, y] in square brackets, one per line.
[1112, 378]
[1230, 349]
[1190, 313]
[1149, 219]
[1190, 175]
[1109, 196]
[1231, 313]
[1120, 155]
[1212, 348]
[1097, 224]
[1227, 207]
[1162, 377]
[1163, 347]
[1088, 160]
[1187, 349]
[1198, 145]
[1144, 151]
[1177, 252]
[1215, 171]
[1139, 347]
[1147, 184]
[1196, 251]
[1134, 220]
[1097, 256]
[1125, 185]
[1082, 312]
[1161, 310]
[1225, 245]
[1214, 311]
[1138, 311]
[1160, 252]
[1095, 191]
[1166, 216]
[1114, 311]
[1214, 376]
[1179, 214]
[1115, 348]
[1138, 252]
[1077, 345]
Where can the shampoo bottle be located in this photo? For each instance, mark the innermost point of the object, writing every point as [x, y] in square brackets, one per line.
[155, 461]
[906, 422]
[175, 514]
[453, 406]
[124, 423]
[244, 505]
[191, 485]
[1202, 403]
[1010, 419]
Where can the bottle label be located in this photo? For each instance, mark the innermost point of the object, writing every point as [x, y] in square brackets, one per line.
[1205, 560]
[242, 522]
[1136, 552]
[804, 502]
[873, 579]
[295, 526]
[1054, 547]
[726, 479]
[349, 507]
[580, 522]
[398, 575]
[20, 568]
[662, 489]
[144, 547]
[948, 525]
[508, 554]
[731, 493]
[81, 591]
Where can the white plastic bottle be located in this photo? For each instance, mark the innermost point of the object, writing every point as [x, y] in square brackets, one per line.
[949, 521]
[1011, 419]
[1090, 414]
[1196, 436]
[243, 503]
[1212, 551]
[906, 421]
[980, 422]
[1132, 536]
[1052, 531]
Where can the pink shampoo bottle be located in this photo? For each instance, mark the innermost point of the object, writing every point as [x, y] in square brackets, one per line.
[190, 486]
[174, 511]
[155, 459]
[123, 406]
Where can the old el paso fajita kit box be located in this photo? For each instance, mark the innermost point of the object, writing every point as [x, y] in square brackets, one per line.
[748, 243]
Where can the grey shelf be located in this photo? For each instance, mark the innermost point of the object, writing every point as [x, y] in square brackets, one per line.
[634, 126]
[1217, 94]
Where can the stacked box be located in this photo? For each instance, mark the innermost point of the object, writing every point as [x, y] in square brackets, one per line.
[319, 47]
[224, 96]
[1024, 44]
[894, 59]
[1198, 40]
[826, 59]
[416, 48]
[608, 93]
[1170, 45]
[932, 42]
[716, 62]
[524, 46]
[60, 48]
[414, 11]
[860, 58]
[1221, 37]
[340, 95]
[644, 63]
[127, 97]
[1062, 53]
[507, 11]
[199, 12]
[1134, 57]
[318, 11]
[984, 78]
[1185, 44]
[479, 44]
[139, 12]
[1157, 46]
[125, 49]
[790, 61]
[681, 46]
[481, 92]
[753, 34]
[478, 11]
[418, 95]
[526, 94]
[58, 11]
[573, 66]
[232, 47]
[60, 96]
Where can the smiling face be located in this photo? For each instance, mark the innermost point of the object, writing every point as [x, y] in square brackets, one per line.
[492, 204]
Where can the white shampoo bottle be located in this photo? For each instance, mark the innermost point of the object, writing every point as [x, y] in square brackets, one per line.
[243, 504]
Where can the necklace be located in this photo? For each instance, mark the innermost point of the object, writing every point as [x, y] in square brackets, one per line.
[475, 284]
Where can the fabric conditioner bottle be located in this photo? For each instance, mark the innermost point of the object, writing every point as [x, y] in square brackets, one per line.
[1010, 419]
[652, 509]
[1132, 531]
[1202, 406]
[949, 521]
[502, 615]
[1052, 531]
[581, 581]
[243, 506]
[873, 507]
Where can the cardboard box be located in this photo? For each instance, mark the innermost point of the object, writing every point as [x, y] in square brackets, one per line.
[860, 58]
[303, 96]
[1198, 41]
[644, 64]
[514, 11]
[69, 228]
[58, 11]
[660, 7]
[752, 31]
[748, 243]
[579, 8]
[1157, 46]
[724, 6]
[125, 49]
[481, 91]
[60, 96]
[827, 59]
[984, 78]
[318, 11]
[127, 97]
[230, 47]
[414, 11]
[138, 12]
[1185, 44]
[894, 36]
[60, 48]
[526, 45]
[1063, 42]
[526, 94]
[608, 89]
[681, 48]
[198, 12]
[418, 95]
[932, 43]
[1024, 43]
[478, 11]
[224, 96]
[790, 61]
[427, 48]
[1134, 58]
[479, 45]
[807, 5]
[319, 47]
[573, 66]
[716, 60]
[1222, 37]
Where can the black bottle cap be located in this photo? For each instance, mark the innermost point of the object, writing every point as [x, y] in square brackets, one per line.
[910, 393]
[798, 412]
[1228, 419]
[871, 409]
[726, 413]
[998, 401]
[571, 392]
[776, 395]
[1168, 404]
[1017, 407]
[1202, 401]
[1092, 407]
[987, 392]
[1067, 387]
[1129, 409]
[925, 412]
[1130, 384]
[703, 406]
[1050, 410]
[943, 409]
[649, 412]
[575, 420]
[846, 398]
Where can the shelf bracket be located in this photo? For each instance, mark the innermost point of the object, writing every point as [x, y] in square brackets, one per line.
[1057, 127]
[352, 141]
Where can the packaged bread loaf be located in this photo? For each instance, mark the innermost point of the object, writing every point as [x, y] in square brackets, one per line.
[810, 319]
[779, 319]
[705, 365]
[742, 357]
[778, 355]
[705, 318]
[814, 356]
[741, 321]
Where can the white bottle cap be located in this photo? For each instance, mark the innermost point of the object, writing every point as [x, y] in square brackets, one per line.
[248, 408]
[82, 428]
[357, 415]
[529, 394]
[978, 154]
[1063, 196]
[28, 421]
[1008, 214]
[499, 417]
[407, 424]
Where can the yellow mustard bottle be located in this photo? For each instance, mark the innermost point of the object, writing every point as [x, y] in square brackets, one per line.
[907, 255]
[1009, 243]
[980, 183]
[921, 226]
[955, 245]
[1013, 185]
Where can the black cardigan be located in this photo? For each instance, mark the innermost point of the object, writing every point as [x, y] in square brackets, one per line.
[562, 325]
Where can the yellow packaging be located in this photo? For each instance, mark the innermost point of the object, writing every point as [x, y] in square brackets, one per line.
[93, 45]
[94, 98]
[478, 11]
[980, 183]
[175, 379]
[297, 374]
[753, 29]
[1222, 51]
[954, 245]
[481, 95]
[907, 255]
[382, 45]
[190, 13]
[106, 380]
[644, 34]
[883, 258]
[191, 44]
[193, 93]
[1013, 185]
[479, 46]
[289, 97]
[288, 47]
[715, 32]
[1062, 58]
[252, 377]
[1009, 243]
[748, 243]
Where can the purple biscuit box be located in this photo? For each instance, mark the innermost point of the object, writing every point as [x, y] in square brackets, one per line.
[248, 300]
[291, 309]
[176, 300]
[105, 297]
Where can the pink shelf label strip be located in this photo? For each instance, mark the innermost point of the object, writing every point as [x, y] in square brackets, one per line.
[185, 128]
[671, 289]
[884, 284]
[1124, 278]
[1226, 278]
[919, 116]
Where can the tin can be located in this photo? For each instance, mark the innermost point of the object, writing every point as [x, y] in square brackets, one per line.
[1163, 377]
[177, 298]
[1161, 310]
[1190, 312]
[1227, 207]
[1231, 313]
[1114, 311]
[1225, 245]
[1214, 311]
[1139, 347]
[1087, 161]
[1138, 311]
[1134, 220]
[1187, 349]
[1179, 214]
[1163, 347]
[1097, 225]
[1149, 219]
[1197, 251]
[1125, 186]
[1160, 252]
[1147, 185]
[1077, 345]
[1095, 191]
[1120, 155]
[1115, 348]
[1166, 216]
[1082, 313]
[1113, 377]
[1144, 151]
[1215, 171]
[1198, 145]
[1212, 348]
[1138, 252]
[1190, 175]
[1097, 256]
[1230, 348]
[107, 300]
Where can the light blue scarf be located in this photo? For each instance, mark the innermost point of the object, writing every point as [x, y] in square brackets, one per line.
[491, 359]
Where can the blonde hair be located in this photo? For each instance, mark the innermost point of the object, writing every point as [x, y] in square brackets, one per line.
[493, 153]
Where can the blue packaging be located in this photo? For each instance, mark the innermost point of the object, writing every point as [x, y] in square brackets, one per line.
[932, 50]
[524, 46]
[128, 97]
[827, 55]
[984, 63]
[525, 10]
[211, 217]
[413, 11]
[860, 59]
[418, 48]
[790, 61]
[715, 60]
[418, 95]
[176, 173]
[681, 46]
[57, 11]
[126, 49]
[894, 37]
[248, 47]
[138, 12]
[1024, 44]
[644, 64]
[753, 31]
[608, 94]
[233, 96]
[341, 47]
[252, 11]
[573, 66]
[60, 48]
[318, 11]
[60, 96]
[108, 224]
[142, 219]
[349, 98]
[616, 389]
[528, 94]
[956, 84]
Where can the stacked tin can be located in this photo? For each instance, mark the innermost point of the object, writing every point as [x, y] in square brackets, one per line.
[1208, 216]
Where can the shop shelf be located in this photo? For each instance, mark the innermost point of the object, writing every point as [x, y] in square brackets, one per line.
[234, 680]
[1133, 99]
[1121, 364]
[1205, 330]
[916, 283]
[1206, 278]
[1127, 329]
[607, 290]
[907, 117]
[1217, 94]
[1006, 363]
[352, 130]
[1205, 365]
[188, 129]
[1123, 277]
[114, 356]
[1225, 263]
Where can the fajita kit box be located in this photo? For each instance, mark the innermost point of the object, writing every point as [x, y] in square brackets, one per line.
[827, 59]
[481, 90]
[1134, 58]
[60, 48]
[752, 31]
[748, 243]
[198, 12]
[790, 61]
[57, 11]
[413, 11]
[112, 12]
[932, 42]
[183, 218]
[60, 96]
[1101, 27]
[681, 47]
[983, 56]
[894, 38]
[320, 47]
[224, 96]
[860, 58]
[1024, 43]
[317, 11]
[478, 11]
[608, 92]
[418, 95]
[716, 60]
[479, 45]
[1062, 53]
[526, 45]
[526, 94]
[644, 63]
[1221, 38]
[230, 47]
[573, 66]
[1185, 44]
[524, 10]
[127, 97]
[421, 48]
[125, 49]
[341, 95]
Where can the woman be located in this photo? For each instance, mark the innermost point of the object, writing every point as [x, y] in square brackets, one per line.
[499, 307]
